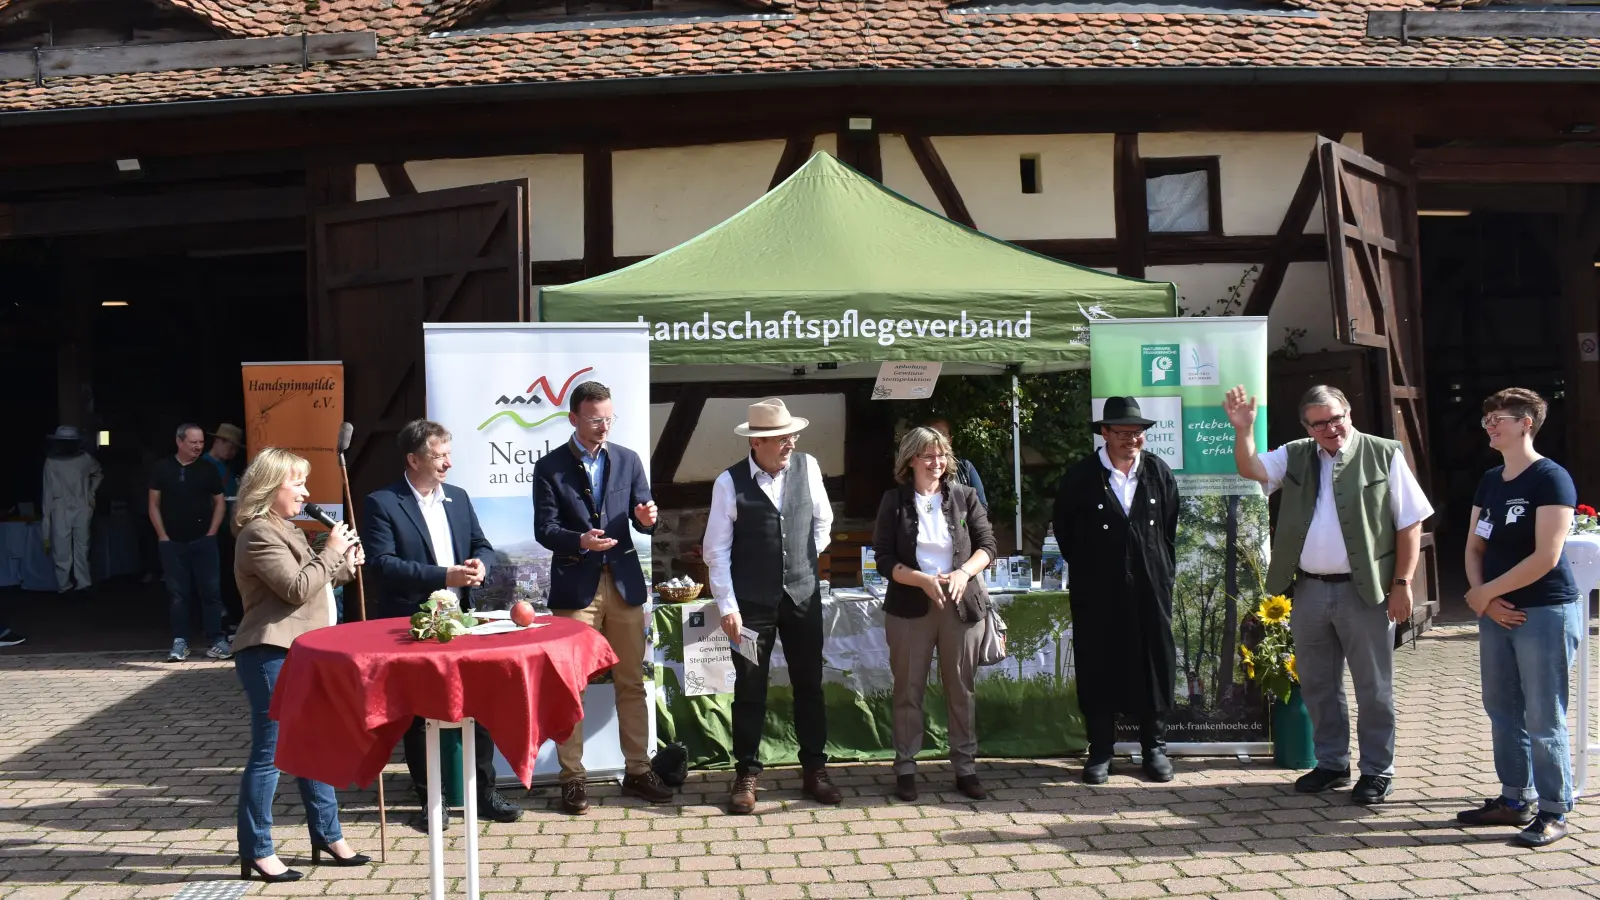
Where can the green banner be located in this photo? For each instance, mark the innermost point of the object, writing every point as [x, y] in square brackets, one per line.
[1027, 705]
[1179, 369]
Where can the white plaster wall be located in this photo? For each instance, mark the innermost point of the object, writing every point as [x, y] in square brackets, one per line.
[715, 447]
[555, 193]
[1075, 173]
[663, 197]
[1260, 171]
[828, 142]
[1303, 300]
[902, 175]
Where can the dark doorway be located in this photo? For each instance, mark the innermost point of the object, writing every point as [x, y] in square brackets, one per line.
[1491, 295]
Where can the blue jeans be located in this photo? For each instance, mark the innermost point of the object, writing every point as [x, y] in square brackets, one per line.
[193, 567]
[257, 668]
[1525, 681]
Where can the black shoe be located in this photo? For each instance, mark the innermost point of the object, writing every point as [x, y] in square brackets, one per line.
[357, 859]
[1545, 829]
[971, 788]
[1157, 765]
[247, 868]
[647, 786]
[1372, 789]
[1096, 771]
[574, 798]
[421, 822]
[9, 638]
[1498, 811]
[1319, 779]
[905, 787]
[498, 809]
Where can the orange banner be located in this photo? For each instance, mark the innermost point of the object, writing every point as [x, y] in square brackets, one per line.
[299, 407]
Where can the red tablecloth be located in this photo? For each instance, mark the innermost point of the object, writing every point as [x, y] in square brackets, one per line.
[346, 694]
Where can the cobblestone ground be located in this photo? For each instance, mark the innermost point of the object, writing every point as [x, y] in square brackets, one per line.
[118, 778]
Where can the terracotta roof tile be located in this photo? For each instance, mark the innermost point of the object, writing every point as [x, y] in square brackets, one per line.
[819, 35]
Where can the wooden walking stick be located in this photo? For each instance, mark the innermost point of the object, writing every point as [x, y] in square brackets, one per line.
[345, 433]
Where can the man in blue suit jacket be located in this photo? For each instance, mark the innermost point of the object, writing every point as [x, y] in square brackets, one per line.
[586, 494]
[421, 535]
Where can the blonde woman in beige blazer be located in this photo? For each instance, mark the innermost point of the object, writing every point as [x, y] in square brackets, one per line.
[287, 590]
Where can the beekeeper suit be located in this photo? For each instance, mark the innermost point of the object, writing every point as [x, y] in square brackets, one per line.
[71, 477]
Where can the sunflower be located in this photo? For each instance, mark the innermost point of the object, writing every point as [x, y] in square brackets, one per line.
[1288, 663]
[1274, 609]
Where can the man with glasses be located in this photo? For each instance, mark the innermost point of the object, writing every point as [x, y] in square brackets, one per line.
[1346, 546]
[588, 497]
[1116, 517]
[422, 535]
[769, 520]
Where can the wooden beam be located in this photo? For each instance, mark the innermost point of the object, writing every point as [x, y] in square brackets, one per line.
[675, 435]
[598, 236]
[1133, 218]
[1472, 23]
[1291, 233]
[1569, 163]
[860, 151]
[944, 187]
[796, 150]
[327, 184]
[396, 180]
[56, 62]
[98, 214]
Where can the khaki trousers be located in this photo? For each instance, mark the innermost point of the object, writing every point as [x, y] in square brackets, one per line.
[623, 627]
[911, 646]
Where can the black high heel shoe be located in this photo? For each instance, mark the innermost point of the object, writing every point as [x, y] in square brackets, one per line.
[358, 859]
[247, 866]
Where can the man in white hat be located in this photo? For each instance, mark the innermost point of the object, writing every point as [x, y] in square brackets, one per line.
[71, 478]
[769, 521]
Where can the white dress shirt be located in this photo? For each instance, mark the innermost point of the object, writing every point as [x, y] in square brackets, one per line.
[717, 547]
[1324, 552]
[1123, 486]
[438, 524]
[936, 549]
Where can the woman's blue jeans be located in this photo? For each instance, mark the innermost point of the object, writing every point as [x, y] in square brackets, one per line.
[257, 668]
[1525, 685]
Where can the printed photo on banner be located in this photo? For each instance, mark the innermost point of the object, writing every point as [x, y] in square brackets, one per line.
[502, 391]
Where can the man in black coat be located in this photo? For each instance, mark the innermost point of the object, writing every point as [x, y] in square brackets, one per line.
[1116, 516]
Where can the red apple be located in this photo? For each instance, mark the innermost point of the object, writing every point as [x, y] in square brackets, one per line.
[522, 613]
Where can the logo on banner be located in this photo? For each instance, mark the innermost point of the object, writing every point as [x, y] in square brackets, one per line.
[1157, 364]
[1200, 365]
[531, 397]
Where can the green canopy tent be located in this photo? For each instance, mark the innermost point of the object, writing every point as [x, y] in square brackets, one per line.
[832, 267]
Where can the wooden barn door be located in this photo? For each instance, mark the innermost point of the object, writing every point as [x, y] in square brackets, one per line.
[384, 267]
[1370, 212]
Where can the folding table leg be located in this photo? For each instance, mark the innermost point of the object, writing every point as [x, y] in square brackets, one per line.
[469, 798]
[435, 815]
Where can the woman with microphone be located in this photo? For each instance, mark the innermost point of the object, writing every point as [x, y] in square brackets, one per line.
[287, 590]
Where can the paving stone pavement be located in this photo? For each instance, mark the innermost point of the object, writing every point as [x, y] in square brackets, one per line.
[119, 775]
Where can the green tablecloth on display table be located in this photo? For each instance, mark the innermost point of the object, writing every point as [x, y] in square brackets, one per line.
[1027, 704]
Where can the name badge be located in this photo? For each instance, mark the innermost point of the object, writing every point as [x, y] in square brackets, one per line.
[1483, 529]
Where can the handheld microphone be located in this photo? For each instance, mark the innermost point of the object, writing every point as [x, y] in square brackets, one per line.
[321, 515]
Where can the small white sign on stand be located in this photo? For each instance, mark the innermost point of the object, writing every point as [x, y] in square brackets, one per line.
[900, 380]
[707, 654]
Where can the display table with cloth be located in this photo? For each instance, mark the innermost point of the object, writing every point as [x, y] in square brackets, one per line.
[1583, 552]
[347, 693]
[23, 561]
[1026, 705]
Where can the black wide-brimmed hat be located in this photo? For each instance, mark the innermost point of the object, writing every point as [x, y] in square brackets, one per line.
[1121, 411]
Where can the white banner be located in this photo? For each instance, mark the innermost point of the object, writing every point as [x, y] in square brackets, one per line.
[502, 391]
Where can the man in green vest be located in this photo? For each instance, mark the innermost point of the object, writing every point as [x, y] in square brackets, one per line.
[1346, 546]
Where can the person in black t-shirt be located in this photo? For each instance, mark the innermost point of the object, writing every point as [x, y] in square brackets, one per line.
[1529, 621]
[186, 508]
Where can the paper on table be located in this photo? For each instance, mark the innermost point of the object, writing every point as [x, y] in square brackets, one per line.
[483, 614]
[747, 646]
[500, 626]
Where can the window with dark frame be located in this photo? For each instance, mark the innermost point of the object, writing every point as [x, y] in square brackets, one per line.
[1183, 195]
[1032, 182]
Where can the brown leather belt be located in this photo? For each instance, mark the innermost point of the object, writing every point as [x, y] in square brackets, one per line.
[1339, 578]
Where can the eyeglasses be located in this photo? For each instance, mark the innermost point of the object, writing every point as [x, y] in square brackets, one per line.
[439, 457]
[1325, 424]
[1137, 434]
[598, 421]
[1494, 419]
[788, 440]
[930, 460]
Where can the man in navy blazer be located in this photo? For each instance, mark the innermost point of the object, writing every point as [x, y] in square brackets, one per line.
[421, 535]
[586, 493]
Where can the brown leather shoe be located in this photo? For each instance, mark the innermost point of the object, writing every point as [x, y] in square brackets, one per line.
[647, 786]
[743, 801]
[820, 788]
[574, 798]
[970, 786]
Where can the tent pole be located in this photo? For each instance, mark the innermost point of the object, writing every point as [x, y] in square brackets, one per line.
[1016, 454]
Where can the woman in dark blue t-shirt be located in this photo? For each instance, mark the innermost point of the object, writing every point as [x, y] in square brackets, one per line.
[1529, 620]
